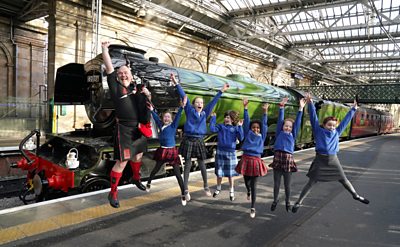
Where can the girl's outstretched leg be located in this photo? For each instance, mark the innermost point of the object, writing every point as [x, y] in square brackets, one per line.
[186, 172]
[231, 188]
[286, 179]
[277, 184]
[247, 184]
[218, 190]
[177, 172]
[303, 194]
[156, 168]
[349, 187]
[253, 186]
[203, 170]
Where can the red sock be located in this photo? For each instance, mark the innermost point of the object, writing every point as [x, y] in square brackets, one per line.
[136, 169]
[115, 177]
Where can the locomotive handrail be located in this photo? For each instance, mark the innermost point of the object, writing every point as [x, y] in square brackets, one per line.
[21, 145]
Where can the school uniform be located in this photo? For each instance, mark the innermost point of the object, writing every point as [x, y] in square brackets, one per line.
[253, 147]
[284, 144]
[225, 158]
[167, 151]
[326, 165]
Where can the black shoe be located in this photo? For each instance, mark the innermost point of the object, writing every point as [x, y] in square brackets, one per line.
[139, 184]
[361, 199]
[113, 200]
[232, 196]
[273, 205]
[216, 193]
[295, 207]
[288, 207]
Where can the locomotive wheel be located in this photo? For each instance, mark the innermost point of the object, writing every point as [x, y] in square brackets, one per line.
[96, 184]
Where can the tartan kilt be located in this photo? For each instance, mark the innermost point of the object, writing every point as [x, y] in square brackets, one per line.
[283, 161]
[193, 147]
[225, 163]
[251, 166]
[128, 141]
[169, 155]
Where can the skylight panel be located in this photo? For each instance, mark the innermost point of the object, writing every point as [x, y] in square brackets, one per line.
[227, 5]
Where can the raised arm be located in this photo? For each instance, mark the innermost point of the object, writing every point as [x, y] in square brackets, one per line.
[313, 114]
[240, 134]
[179, 113]
[106, 57]
[157, 119]
[346, 120]
[281, 114]
[213, 123]
[264, 127]
[297, 122]
[246, 121]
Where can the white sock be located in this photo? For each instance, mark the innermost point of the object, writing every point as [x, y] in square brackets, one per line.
[232, 189]
[219, 187]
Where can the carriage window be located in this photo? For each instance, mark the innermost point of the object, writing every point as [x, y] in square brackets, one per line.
[362, 116]
[367, 116]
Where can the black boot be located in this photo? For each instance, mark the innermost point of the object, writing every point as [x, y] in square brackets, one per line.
[139, 184]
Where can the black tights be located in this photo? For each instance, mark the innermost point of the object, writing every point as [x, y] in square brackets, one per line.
[307, 188]
[251, 186]
[186, 172]
[177, 172]
[277, 183]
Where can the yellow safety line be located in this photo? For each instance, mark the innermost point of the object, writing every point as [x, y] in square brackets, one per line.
[72, 218]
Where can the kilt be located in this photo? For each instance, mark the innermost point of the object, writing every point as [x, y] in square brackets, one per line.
[283, 161]
[128, 141]
[193, 147]
[251, 166]
[169, 155]
[225, 163]
[326, 168]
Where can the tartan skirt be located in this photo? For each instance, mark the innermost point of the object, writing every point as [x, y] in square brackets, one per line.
[283, 161]
[128, 141]
[169, 155]
[225, 163]
[251, 166]
[193, 147]
[326, 168]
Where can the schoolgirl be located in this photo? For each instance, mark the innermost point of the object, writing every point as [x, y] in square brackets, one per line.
[326, 165]
[225, 158]
[251, 165]
[168, 152]
[195, 128]
[283, 163]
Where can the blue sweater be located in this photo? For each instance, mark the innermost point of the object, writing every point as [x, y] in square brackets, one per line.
[253, 144]
[326, 141]
[227, 135]
[195, 124]
[167, 132]
[285, 141]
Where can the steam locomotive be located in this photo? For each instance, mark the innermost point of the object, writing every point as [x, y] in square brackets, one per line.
[80, 161]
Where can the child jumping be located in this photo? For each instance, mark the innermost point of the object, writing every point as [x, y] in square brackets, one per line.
[192, 145]
[326, 165]
[168, 152]
[251, 166]
[283, 163]
[225, 158]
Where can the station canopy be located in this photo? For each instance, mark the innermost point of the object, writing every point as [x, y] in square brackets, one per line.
[334, 41]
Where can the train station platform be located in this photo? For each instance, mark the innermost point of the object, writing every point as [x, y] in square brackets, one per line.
[328, 217]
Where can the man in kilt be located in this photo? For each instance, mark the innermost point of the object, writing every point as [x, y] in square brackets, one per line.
[131, 111]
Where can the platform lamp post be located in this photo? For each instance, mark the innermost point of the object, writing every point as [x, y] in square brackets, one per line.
[42, 100]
